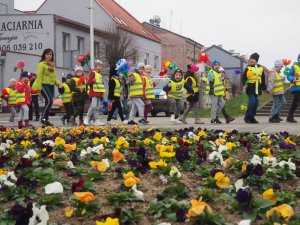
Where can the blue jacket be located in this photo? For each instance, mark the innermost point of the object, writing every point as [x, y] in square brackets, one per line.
[291, 77]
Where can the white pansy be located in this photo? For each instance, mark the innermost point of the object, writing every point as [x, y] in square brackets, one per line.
[11, 175]
[175, 171]
[138, 194]
[54, 188]
[164, 223]
[30, 154]
[221, 134]
[239, 184]
[106, 161]
[216, 155]
[40, 216]
[163, 179]
[83, 153]
[6, 179]
[49, 142]
[256, 160]
[213, 145]
[290, 164]
[107, 140]
[245, 222]
[270, 161]
[191, 134]
[222, 148]
[71, 165]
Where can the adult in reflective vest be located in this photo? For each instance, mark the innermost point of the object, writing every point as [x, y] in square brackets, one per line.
[114, 92]
[148, 90]
[66, 96]
[215, 89]
[78, 87]
[34, 99]
[294, 78]
[9, 95]
[23, 96]
[96, 94]
[193, 99]
[254, 83]
[276, 89]
[175, 89]
[136, 93]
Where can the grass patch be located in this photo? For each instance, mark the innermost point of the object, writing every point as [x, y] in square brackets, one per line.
[233, 106]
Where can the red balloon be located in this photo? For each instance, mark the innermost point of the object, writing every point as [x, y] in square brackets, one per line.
[79, 60]
[203, 57]
[84, 57]
[20, 64]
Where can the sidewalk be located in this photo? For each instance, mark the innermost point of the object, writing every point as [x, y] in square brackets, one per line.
[164, 122]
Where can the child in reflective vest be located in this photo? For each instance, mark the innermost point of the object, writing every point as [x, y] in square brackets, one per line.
[148, 91]
[34, 99]
[23, 99]
[114, 94]
[9, 95]
[67, 99]
[175, 89]
[78, 89]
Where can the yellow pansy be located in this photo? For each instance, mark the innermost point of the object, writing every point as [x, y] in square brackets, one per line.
[3, 172]
[85, 197]
[59, 141]
[284, 210]
[109, 221]
[202, 133]
[148, 141]
[230, 145]
[121, 142]
[96, 140]
[160, 163]
[100, 166]
[228, 161]
[157, 136]
[174, 139]
[220, 141]
[166, 154]
[25, 143]
[165, 140]
[222, 181]
[288, 140]
[266, 151]
[69, 211]
[70, 148]
[130, 179]
[244, 167]
[197, 208]
[117, 155]
[269, 195]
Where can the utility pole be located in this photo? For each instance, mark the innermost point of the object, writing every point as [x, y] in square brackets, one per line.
[92, 35]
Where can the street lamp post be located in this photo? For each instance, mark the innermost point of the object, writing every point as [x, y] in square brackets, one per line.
[92, 35]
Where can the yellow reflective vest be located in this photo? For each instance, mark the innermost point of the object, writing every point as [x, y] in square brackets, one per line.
[149, 90]
[254, 74]
[12, 98]
[79, 86]
[297, 75]
[117, 91]
[194, 85]
[278, 84]
[218, 84]
[66, 96]
[98, 86]
[136, 89]
[176, 89]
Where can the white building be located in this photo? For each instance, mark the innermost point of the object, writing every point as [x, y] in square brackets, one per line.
[63, 25]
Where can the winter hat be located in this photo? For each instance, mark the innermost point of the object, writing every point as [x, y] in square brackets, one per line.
[254, 56]
[12, 80]
[215, 62]
[193, 68]
[69, 76]
[140, 65]
[78, 68]
[278, 63]
[24, 74]
[98, 62]
[178, 71]
[148, 66]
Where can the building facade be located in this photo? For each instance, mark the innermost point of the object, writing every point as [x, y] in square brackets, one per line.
[176, 47]
[63, 25]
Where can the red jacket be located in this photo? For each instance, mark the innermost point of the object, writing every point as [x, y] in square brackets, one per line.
[5, 93]
[91, 82]
[24, 87]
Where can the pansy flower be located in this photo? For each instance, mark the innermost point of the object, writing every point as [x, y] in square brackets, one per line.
[109, 221]
[100, 166]
[130, 179]
[221, 180]
[270, 195]
[117, 155]
[284, 210]
[85, 197]
[197, 208]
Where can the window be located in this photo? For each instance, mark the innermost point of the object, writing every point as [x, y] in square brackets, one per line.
[156, 62]
[97, 52]
[66, 42]
[146, 59]
[80, 45]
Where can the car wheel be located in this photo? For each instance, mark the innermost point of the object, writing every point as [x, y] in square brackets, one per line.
[153, 113]
[168, 114]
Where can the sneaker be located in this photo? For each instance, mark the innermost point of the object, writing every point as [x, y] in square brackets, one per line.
[274, 120]
[215, 121]
[253, 120]
[172, 118]
[46, 122]
[131, 122]
[63, 120]
[109, 123]
[125, 122]
[178, 121]
[291, 120]
[247, 120]
[86, 121]
[229, 119]
[99, 123]
[183, 120]
[143, 121]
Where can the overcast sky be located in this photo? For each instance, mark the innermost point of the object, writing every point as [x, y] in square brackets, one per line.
[269, 27]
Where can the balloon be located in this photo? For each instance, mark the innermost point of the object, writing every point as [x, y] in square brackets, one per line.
[20, 64]
[84, 57]
[129, 63]
[286, 70]
[237, 72]
[79, 60]
[203, 57]
[286, 62]
[122, 66]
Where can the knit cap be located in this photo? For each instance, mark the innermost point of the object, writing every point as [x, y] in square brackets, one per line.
[254, 56]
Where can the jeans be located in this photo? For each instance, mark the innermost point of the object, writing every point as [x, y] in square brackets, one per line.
[78, 108]
[13, 112]
[294, 105]
[176, 106]
[94, 108]
[252, 105]
[34, 105]
[24, 112]
[48, 95]
[278, 103]
[196, 107]
[69, 110]
[116, 105]
[217, 104]
[137, 106]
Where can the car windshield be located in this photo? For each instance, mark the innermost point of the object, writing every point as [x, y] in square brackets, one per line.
[160, 82]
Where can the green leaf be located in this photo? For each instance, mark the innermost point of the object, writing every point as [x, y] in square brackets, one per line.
[261, 203]
[251, 214]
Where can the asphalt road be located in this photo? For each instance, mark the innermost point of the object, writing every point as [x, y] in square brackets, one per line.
[164, 122]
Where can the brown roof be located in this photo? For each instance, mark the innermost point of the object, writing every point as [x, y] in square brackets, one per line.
[125, 20]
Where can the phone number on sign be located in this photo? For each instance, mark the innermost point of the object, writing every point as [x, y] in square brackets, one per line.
[21, 47]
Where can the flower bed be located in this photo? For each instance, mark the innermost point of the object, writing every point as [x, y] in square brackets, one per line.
[120, 175]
